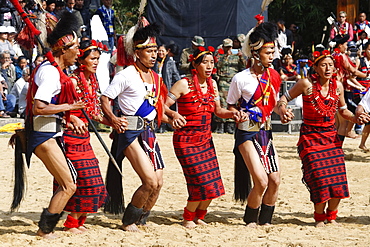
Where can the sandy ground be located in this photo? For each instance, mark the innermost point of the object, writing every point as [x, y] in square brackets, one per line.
[293, 224]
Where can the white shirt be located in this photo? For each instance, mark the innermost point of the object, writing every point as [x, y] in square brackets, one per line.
[130, 89]
[47, 79]
[365, 102]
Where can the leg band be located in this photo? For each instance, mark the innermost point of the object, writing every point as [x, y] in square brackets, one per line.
[48, 221]
[189, 216]
[319, 217]
[81, 220]
[131, 215]
[266, 214]
[251, 214]
[71, 222]
[200, 213]
[143, 218]
[331, 215]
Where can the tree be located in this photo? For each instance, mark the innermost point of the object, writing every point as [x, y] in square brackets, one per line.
[126, 14]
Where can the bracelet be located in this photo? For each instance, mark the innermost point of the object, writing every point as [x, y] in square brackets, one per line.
[172, 96]
[343, 107]
[281, 102]
[287, 96]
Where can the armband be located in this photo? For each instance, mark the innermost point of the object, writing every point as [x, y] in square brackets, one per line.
[172, 96]
[343, 107]
[287, 96]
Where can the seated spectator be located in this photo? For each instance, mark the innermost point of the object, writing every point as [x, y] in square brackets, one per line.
[7, 101]
[50, 7]
[302, 66]
[18, 87]
[38, 60]
[7, 69]
[4, 43]
[21, 64]
[11, 38]
[288, 69]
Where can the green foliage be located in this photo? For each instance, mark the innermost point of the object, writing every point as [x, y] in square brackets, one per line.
[126, 14]
[309, 15]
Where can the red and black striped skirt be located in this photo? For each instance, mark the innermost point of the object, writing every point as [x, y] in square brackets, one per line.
[324, 171]
[91, 193]
[196, 153]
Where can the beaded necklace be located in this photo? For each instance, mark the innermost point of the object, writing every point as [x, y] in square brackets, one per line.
[201, 97]
[318, 100]
[150, 94]
[93, 108]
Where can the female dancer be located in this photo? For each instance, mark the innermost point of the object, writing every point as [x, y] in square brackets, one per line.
[90, 193]
[255, 90]
[197, 98]
[319, 145]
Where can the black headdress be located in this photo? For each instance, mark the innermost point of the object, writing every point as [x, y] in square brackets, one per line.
[263, 34]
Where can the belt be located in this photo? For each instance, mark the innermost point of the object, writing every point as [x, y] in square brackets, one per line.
[253, 126]
[138, 123]
[47, 124]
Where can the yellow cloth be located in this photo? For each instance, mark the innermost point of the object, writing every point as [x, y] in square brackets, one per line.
[11, 127]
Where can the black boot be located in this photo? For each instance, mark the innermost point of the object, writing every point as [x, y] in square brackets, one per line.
[251, 215]
[131, 215]
[230, 127]
[219, 128]
[266, 214]
[48, 221]
[143, 218]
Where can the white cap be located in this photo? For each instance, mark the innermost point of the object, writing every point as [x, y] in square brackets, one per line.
[3, 29]
[11, 29]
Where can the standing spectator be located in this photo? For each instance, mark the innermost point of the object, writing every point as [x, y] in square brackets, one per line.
[184, 58]
[50, 7]
[285, 38]
[70, 8]
[361, 25]
[228, 65]
[60, 6]
[297, 39]
[342, 27]
[238, 41]
[106, 14]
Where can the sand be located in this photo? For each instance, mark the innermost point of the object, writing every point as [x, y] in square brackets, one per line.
[293, 224]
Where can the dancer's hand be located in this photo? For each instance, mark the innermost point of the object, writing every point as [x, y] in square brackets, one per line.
[78, 126]
[286, 115]
[178, 121]
[120, 124]
[363, 118]
[241, 116]
[77, 105]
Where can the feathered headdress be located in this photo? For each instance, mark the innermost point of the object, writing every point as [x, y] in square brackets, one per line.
[64, 33]
[258, 37]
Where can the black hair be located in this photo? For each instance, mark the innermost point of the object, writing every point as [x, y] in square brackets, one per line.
[174, 48]
[142, 34]
[366, 45]
[83, 45]
[20, 58]
[340, 39]
[266, 31]
[67, 24]
[200, 58]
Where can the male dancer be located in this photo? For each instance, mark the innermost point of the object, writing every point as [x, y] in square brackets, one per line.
[140, 93]
[257, 91]
[51, 93]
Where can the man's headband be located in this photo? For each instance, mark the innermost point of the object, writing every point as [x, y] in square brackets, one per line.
[65, 41]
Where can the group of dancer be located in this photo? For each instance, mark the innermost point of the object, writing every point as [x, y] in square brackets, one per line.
[56, 102]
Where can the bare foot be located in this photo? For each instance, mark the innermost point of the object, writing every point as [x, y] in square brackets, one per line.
[334, 222]
[189, 224]
[51, 235]
[364, 148]
[200, 222]
[320, 224]
[73, 230]
[252, 225]
[352, 135]
[82, 228]
[130, 228]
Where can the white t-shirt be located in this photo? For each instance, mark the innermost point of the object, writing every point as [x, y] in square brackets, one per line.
[130, 89]
[47, 79]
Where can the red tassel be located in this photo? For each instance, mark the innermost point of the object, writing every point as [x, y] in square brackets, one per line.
[81, 220]
[189, 216]
[123, 59]
[331, 215]
[319, 217]
[71, 222]
[201, 213]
